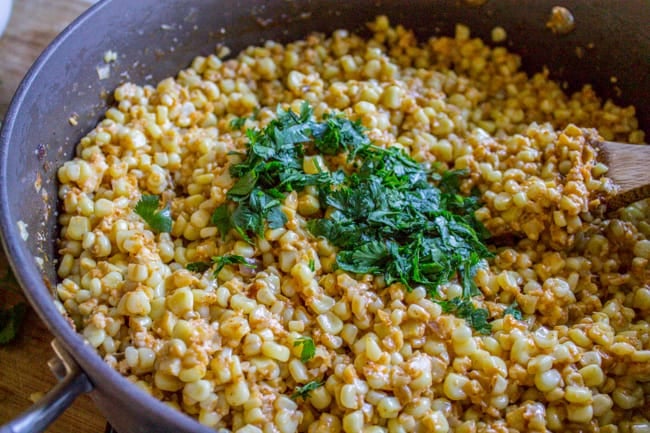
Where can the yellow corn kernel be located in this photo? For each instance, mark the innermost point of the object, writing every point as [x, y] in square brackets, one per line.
[237, 394]
[181, 301]
[276, 351]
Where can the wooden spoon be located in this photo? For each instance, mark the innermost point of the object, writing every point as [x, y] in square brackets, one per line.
[629, 169]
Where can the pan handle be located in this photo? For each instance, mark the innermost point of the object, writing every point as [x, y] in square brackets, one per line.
[72, 383]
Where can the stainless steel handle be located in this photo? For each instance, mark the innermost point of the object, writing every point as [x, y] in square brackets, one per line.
[72, 383]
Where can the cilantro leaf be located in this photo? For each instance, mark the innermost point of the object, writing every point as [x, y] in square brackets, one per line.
[229, 259]
[244, 185]
[237, 123]
[308, 348]
[304, 391]
[514, 311]
[389, 220]
[387, 214]
[199, 267]
[369, 258]
[276, 218]
[11, 320]
[159, 220]
[465, 309]
[250, 214]
[338, 134]
[273, 166]
[222, 219]
[9, 278]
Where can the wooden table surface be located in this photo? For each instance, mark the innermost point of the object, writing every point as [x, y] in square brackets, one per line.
[23, 369]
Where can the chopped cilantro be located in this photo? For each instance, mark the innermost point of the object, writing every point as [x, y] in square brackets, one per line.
[237, 123]
[389, 220]
[11, 318]
[220, 262]
[273, 167]
[199, 267]
[229, 259]
[159, 220]
[249, 214]
[304, 391]
[337, 135]
[221, 219]
[514, 311]
[9, 278]
[10, 321]
[312, 265]
[465, 309]
[308, 348]
[387, 214]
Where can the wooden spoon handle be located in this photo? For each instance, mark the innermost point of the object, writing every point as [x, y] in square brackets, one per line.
[629, 169]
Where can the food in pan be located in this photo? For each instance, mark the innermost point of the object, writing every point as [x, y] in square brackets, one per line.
[362, 235]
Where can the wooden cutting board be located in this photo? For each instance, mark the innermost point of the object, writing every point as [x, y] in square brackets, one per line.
[23, 369]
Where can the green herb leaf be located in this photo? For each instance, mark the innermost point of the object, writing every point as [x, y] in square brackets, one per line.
[244, 185]
[312, 265]
[514, 311]
[369, 258]
[308, 348]
[199, 267]
[465, 309]
[387, 214]
[159, 220]
[237, 123]
[304, 391]
[273, 166]
[10, 283]
[229, 259]
[11, 320]
[222, 219]
[389, 219]
[9, 278]
[276, 218]
[338, 134]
